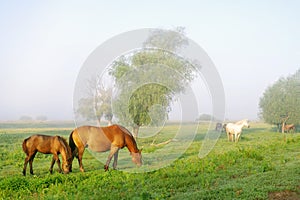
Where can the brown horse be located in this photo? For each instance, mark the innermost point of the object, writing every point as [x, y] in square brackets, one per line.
[101, 139]
[48, 145]
[289, 127]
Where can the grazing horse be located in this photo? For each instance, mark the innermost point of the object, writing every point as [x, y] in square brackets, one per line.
[224, 128]
[101, 139]
[48, 145]
[219, 127]
[236, 129]
[289, 127]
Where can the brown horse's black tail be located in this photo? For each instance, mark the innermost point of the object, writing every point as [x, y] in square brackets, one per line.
[72, 145]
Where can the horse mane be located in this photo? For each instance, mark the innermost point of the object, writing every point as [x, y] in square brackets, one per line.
[241, 121]
[125, 130]
[130, 135]
[64, 142]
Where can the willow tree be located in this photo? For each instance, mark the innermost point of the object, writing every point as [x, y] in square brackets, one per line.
[280, 102]
[148, 79]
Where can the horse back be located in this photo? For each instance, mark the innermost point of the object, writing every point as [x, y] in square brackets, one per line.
[92, 137]
[115, 135]
[41, 143]
[232, 128]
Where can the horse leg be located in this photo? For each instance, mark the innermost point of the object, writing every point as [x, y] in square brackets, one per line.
[113, 150]
[31, 161]
[228, 135]
[52, 164]
[55, 158]
[237, 136]
[74, 154]
[115, 159]
[80, 155]
[58, 163]
[25, 164]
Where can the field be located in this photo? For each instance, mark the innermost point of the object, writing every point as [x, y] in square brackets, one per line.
[263, 165]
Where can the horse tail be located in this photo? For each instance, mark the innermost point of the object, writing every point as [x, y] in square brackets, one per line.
[24, 147]
[72, 144]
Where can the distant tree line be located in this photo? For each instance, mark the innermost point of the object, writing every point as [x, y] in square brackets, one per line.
[29, 118]
[206, 117]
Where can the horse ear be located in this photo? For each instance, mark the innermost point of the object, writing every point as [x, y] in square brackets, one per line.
[140, 150]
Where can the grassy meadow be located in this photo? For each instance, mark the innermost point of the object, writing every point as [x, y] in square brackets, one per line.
[264, 164]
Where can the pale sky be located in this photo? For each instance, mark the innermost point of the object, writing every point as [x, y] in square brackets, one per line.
[45, 43]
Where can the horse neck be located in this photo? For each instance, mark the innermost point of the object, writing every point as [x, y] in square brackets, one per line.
[245, 125]
[241, 121]
[131, 144]
[129, 140]
[64, 151]
[240, 126]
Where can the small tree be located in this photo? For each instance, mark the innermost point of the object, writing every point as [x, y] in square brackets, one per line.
[280, 102]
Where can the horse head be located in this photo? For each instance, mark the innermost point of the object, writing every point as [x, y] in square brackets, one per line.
[137, 157]
[246, 124]
[66, 155]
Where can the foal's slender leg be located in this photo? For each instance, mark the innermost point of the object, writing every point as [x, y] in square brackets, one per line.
[55, 156]
[25, 164]
[113, 150]
[52, 164]
[31, 161]
[116, 159]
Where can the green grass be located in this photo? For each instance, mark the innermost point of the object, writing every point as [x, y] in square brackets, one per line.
[260, 164]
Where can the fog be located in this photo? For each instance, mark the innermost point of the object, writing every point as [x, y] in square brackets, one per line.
[44, 45]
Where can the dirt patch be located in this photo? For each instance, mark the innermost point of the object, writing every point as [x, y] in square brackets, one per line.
[286, 195]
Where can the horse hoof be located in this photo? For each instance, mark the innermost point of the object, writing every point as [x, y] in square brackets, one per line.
[105, 168]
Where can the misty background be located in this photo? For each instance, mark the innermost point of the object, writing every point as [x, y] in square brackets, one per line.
[44, 44]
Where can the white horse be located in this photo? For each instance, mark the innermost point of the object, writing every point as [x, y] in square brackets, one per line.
[236, 129]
